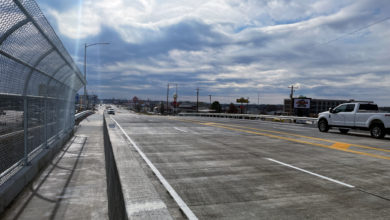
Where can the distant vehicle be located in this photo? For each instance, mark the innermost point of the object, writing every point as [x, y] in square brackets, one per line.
[111, 111]
[364, 116]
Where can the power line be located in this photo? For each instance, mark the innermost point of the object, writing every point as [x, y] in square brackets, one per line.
[354, 31]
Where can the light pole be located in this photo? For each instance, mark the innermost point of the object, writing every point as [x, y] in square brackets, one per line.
[85, 68]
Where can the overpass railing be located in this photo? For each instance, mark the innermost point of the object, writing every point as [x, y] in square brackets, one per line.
[38, 83]
[277, 118]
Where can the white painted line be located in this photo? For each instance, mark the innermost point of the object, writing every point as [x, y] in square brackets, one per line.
[314, 174]
[180, 129]
[183, 206]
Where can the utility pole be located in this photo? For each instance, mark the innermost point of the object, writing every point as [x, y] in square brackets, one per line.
[258, 98]
[167, 97]
[197, 99]
[292, 99]
[210, 100]
[175, 101]
[247, 105]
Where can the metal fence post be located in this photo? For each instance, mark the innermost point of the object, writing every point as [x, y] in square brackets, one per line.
[25, 126]
[45, 122]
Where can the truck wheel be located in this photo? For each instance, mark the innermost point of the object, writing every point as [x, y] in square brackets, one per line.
[323, 125]
[343, 130]
[377, 131]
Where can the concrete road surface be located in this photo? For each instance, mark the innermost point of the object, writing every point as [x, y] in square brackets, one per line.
[247, 169]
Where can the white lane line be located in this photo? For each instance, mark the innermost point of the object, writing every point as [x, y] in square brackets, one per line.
[314, 174]
[180, 129]
[183, 206]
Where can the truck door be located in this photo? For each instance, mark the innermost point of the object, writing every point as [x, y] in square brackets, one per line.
[335, 117]
[349, 115]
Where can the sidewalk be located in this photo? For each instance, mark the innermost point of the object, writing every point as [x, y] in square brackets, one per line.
[74, 185]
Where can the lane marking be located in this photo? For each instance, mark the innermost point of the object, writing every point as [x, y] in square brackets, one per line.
[180, 129]
[294, 140]
[311, 173]
[313, 138]
[340, 145]
[296, 135]
[209, 123]
[183, 206]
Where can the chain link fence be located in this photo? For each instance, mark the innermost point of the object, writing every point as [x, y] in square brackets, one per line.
[38, 83]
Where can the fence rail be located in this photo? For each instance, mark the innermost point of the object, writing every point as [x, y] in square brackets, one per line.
[38, 83]
[291, 119]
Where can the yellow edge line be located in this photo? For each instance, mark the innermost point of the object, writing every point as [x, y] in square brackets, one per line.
[291, 139]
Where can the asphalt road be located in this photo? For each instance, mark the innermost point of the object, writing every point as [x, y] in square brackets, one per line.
[251, 169]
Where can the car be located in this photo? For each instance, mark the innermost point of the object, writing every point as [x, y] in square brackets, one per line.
[111, 111]
[363, 116]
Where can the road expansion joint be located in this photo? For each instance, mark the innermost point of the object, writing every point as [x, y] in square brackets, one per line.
[373, 194]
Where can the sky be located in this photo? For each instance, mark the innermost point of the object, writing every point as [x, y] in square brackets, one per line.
[334, 49]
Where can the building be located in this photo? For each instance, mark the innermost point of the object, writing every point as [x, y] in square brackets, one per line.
[304, 106]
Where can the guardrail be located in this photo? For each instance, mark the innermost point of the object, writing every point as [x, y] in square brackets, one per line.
[276, 118]
[82, 114]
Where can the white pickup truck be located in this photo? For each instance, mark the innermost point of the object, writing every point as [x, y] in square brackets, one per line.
[364, 116]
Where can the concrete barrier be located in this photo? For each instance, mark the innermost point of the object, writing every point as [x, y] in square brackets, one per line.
[129, 182]
[116, 203]
[274, 118]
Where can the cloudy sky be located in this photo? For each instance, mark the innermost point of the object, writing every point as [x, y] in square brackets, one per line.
[230, 48]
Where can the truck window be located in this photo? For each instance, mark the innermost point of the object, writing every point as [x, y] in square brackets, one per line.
[368, 107]
[340, 108]
[350, 108]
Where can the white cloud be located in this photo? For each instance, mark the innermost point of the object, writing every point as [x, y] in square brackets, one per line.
[136, 20]
[244, 45]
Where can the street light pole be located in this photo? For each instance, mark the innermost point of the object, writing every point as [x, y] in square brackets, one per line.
[85, 69]
[85, 73]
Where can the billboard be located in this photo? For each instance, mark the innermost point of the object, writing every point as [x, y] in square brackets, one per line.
[301, 103]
